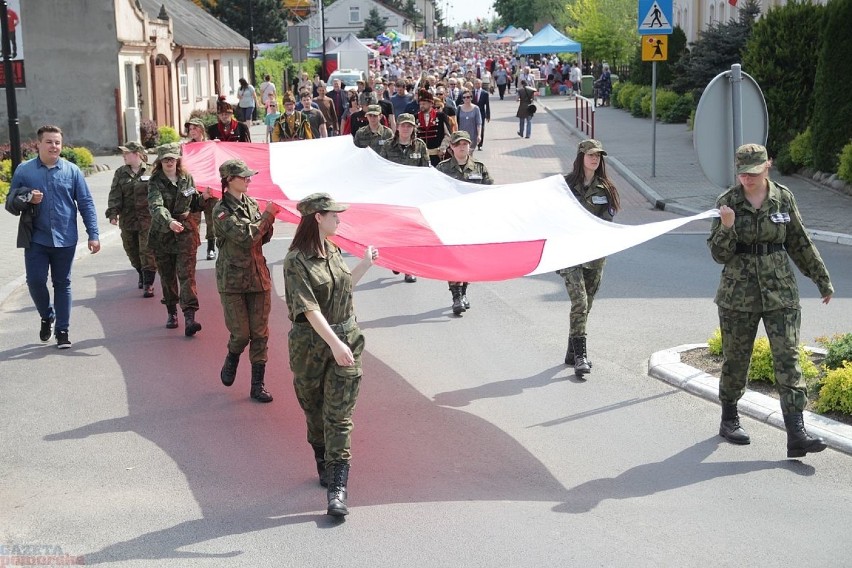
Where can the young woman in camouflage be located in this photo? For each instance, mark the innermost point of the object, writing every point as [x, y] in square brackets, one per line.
[325, 342]
[758, 231]
[242, 277]
[592, 187]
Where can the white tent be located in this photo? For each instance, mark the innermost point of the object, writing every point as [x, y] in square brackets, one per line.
[352, 54]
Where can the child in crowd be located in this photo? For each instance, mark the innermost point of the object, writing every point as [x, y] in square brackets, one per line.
[272, 115]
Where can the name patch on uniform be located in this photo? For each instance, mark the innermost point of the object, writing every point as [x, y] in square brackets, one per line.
[416, 155]
[780, 217]
[599, 200]
[188, 191]
[474, 176]
[221, 216]
[145, 178]
[382, 142]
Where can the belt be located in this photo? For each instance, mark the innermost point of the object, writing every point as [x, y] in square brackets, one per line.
[337, 328]
[759, 248]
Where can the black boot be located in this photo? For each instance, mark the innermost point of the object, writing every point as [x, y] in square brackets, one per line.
[465, 303]
[229, 369]
[319, 456]
[172, 322]
[799, 442]
[148, 283]
[730, 428]
[581, 363]
[139, 270]
[192, 326]
[458, 307]
[211, 249]
[338, 476]
[569, 355]
[258, 392]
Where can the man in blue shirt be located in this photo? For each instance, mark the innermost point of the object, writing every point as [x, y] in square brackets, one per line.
[59, 190]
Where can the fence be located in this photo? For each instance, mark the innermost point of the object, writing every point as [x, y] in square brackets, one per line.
[584, 115]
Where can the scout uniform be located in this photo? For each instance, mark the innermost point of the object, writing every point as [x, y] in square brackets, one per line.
[366, 138]
[175, 252]
[128, 200]
[413, 154]
[242, 278]
[231, 130]
[292, 125]
[758, 283]
[432, 126]
[326, 391]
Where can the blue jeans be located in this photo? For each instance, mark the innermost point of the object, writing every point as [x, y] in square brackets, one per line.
[245, 114]
[525, 131]
[37, 260]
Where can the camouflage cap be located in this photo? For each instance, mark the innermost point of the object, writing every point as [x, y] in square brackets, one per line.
[317, 202]
[374, 110]
[591, 146]
[406, 118]
[236, 168]
[168, 151]
[132, 146]
[367, 99]
[751, 159]
[194, 122]
[459, 136]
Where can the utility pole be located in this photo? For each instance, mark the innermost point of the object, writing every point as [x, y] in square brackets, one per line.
[323, 74]
[251, 42]
[11, 97]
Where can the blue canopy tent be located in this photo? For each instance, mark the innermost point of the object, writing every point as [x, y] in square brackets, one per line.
[507, 31]
[548, 40]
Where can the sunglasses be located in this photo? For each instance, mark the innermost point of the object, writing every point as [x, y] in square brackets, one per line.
[466, 97]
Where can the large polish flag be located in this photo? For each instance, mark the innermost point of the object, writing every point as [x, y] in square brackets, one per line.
[424, 222]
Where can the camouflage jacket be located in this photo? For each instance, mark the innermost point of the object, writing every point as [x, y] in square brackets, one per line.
[764, 282]
[292, 127]
[169, 201]
[595, 198]
[312, 282]
[128, 198]
[366, 138]
[415, 154]
[241, 231]
[473, 171]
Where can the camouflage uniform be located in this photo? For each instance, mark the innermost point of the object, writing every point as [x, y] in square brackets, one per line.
[758, 283]
[366, 138]
[175, 252]
[415, 154]
[128, 200]
[473, 171]
[242, 276]
[326, 391]
[583, 281]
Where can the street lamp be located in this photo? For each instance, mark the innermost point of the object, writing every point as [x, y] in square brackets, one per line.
[251, 42]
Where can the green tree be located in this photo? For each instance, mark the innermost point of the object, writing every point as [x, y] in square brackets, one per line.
[269, 25]
[374, 24]
[780, 55]
[605, 28]
[832, 116]
[640, 71]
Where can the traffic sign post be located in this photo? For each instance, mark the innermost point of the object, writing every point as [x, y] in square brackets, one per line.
[655, 22]
[655, 17]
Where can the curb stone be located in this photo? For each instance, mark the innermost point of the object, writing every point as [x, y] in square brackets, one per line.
[666, 366]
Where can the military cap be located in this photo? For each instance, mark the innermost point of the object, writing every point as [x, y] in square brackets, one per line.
[374, 109]
[317, 202]
[168, 151]
[288, 97]
[591, 146]
[194, 122]
[406, 118]
[236, 168]
[459, 136]
[424, 95]
[367, 98]
[751, 159]
[224, 106]
[132, 146]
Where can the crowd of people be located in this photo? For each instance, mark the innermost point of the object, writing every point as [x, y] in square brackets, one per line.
[427, 108]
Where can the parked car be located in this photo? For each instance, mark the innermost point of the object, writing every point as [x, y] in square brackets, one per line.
[348, 78]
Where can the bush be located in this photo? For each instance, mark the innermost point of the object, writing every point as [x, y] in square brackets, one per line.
[784, 162]
[844, 169]
[836, 391]
[637, 108]
[625, 95]
[28, 150]
[617, 88]
[714, 343]
[82, 157]
[690, 122]
[761, 369]
[665, 101]
[149, 133]
[168, 135]
[681, 110]
[5, 179]
[839, 349]
[801, 149]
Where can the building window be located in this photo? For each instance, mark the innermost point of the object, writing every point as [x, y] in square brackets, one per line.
[200, 79]
[230, 80]
[183, 82]
[354, 14]
[130, 85]
[712, 15]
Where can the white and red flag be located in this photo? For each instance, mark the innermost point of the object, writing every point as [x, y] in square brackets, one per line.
[426, 223]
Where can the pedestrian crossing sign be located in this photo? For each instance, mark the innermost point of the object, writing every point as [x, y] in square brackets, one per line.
[655, 17]
[655, 48]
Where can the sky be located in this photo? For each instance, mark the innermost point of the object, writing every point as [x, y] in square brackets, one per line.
[458, 11]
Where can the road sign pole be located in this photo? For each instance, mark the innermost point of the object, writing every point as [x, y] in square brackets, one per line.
[654, 119]
[737, 103]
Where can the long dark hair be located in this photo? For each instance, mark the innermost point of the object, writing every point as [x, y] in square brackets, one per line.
[158, 167]
[307, 238]
[577, 176]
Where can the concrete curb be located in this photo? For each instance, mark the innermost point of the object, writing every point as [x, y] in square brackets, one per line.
[666, 366]
[658, 202]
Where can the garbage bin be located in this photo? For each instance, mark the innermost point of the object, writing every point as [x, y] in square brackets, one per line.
[588, 86]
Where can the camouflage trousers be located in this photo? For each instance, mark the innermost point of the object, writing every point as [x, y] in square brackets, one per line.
[177, 276]
[247, 319]
[208, 218]
[582, 283]
[136, 246]
[326, 391]
[738, 332]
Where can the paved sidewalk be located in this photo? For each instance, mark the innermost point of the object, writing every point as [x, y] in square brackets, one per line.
[680, 185]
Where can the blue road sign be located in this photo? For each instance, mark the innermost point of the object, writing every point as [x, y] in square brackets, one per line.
[655, 17]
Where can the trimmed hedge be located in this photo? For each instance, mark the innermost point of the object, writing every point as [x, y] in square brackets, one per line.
[844, 170]
[836, 391]
[168, 135]
[801, 149]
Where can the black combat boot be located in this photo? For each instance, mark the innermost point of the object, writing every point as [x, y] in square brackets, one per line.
[319, 456]
[569, 355]
[211, 249]
[581, 363]
[338, 476]
[799, 442]
[229, 369]
[730, 428]
[148, 283]
[458, 307]
[172, 322]
[139, 270]
[464, 301]
[192, 326]
[258, 392]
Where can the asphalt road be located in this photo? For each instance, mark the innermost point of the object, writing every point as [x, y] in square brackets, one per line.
[474, 445]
